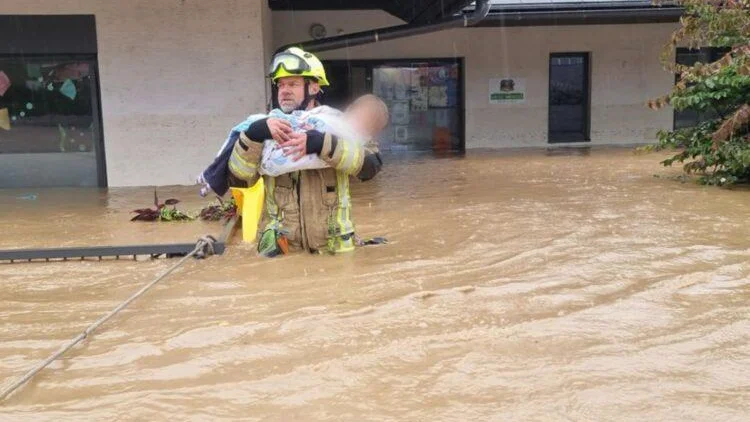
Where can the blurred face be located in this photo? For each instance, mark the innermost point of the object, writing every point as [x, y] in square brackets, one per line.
[291, 92]
[366, 118]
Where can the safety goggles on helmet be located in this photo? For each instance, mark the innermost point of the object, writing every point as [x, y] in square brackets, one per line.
[291, 62]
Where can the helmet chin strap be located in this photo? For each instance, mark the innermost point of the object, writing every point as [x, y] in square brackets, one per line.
[308, 97]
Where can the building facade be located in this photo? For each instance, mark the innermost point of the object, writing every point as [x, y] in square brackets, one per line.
[111, 93]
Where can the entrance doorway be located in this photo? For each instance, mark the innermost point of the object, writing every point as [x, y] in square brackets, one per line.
[569, 98]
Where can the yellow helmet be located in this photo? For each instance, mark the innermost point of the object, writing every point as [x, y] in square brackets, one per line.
[297, 62]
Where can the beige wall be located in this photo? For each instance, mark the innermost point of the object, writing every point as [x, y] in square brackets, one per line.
[268, 48]
[624, 59]
[176, 75]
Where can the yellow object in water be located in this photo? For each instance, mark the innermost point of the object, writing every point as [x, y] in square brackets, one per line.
[4, 119]
[250, 207]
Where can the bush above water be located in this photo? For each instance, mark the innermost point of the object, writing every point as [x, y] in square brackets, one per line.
[718, 149]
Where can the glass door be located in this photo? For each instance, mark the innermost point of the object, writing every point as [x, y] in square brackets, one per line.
[425, 102]
[569, 97]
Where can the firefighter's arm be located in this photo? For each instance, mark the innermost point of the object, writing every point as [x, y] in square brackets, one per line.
[372, 163]
[248, 149]
[345, 155]
[244, 161]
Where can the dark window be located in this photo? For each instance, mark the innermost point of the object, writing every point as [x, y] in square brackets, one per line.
[50, 127]
[688, 57]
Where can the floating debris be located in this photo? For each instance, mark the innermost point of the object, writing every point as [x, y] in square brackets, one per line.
[161, 212]
[224, 210]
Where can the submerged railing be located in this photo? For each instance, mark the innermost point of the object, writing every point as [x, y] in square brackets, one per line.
[158, 250]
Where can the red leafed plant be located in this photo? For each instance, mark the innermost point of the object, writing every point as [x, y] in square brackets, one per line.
[161, 212]
[224, 210]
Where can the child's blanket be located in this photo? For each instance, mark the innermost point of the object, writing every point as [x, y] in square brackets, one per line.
[323, 119]
[274, 162]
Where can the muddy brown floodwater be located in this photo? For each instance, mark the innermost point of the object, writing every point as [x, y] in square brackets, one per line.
[520, 286]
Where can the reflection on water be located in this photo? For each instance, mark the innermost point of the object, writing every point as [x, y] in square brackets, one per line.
[521, 286]
[569, 151]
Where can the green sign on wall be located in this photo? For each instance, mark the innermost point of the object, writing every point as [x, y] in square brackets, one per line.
[507, 91]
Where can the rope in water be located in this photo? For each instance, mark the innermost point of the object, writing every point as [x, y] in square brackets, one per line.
[203, 248]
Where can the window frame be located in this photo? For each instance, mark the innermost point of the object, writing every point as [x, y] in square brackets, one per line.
[587, 100]
[96, 109]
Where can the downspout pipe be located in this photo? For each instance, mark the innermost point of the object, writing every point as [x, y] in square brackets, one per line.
[393, 32]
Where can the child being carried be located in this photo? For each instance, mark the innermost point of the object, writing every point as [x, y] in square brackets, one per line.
[362, 121]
